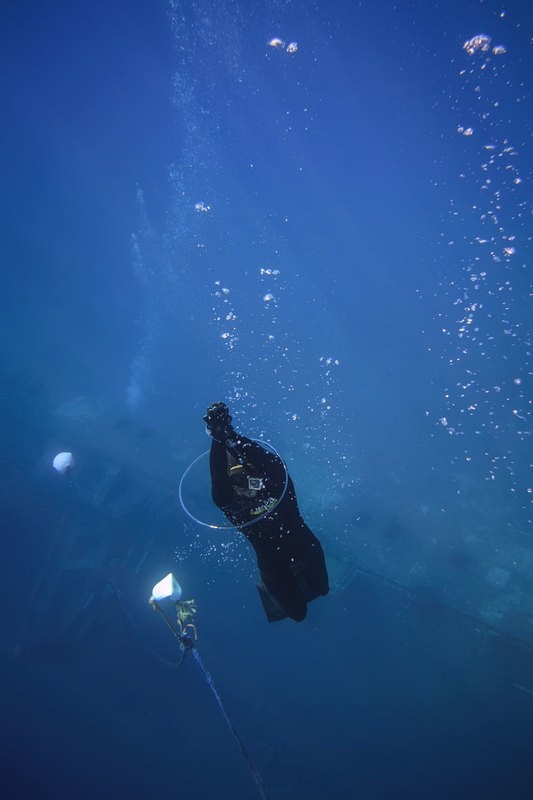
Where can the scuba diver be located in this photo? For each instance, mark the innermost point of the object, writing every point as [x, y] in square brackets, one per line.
[247, 482]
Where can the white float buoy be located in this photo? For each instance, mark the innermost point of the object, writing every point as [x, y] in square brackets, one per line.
[63, 463]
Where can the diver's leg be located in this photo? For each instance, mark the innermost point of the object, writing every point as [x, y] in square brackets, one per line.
[314, 571]
[274, 612]
[283, 587]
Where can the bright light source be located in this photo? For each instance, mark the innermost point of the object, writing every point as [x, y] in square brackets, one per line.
[167, 589]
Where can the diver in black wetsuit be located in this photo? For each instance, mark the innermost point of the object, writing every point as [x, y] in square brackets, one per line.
[248, 481]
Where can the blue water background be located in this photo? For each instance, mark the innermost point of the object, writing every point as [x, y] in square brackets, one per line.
[315, 290]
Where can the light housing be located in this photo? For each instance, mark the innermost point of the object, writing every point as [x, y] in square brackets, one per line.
[167, 588]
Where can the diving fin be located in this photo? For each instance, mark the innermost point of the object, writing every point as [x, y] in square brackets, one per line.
[273, 610]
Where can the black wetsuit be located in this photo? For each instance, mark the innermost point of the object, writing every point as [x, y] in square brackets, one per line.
[289, 556]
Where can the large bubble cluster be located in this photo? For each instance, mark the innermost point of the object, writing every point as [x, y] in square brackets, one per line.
[272, 379]
[487, 325]
[219, 549]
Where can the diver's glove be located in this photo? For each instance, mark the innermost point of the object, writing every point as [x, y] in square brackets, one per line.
[218, 423]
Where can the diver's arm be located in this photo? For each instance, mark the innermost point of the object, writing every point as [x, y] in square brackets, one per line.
[220, 482]
[244, 450]
[247, 450]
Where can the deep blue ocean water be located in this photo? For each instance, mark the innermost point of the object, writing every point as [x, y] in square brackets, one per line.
[331, 232]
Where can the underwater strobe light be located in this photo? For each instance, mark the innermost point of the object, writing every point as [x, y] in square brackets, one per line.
[168, 591]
